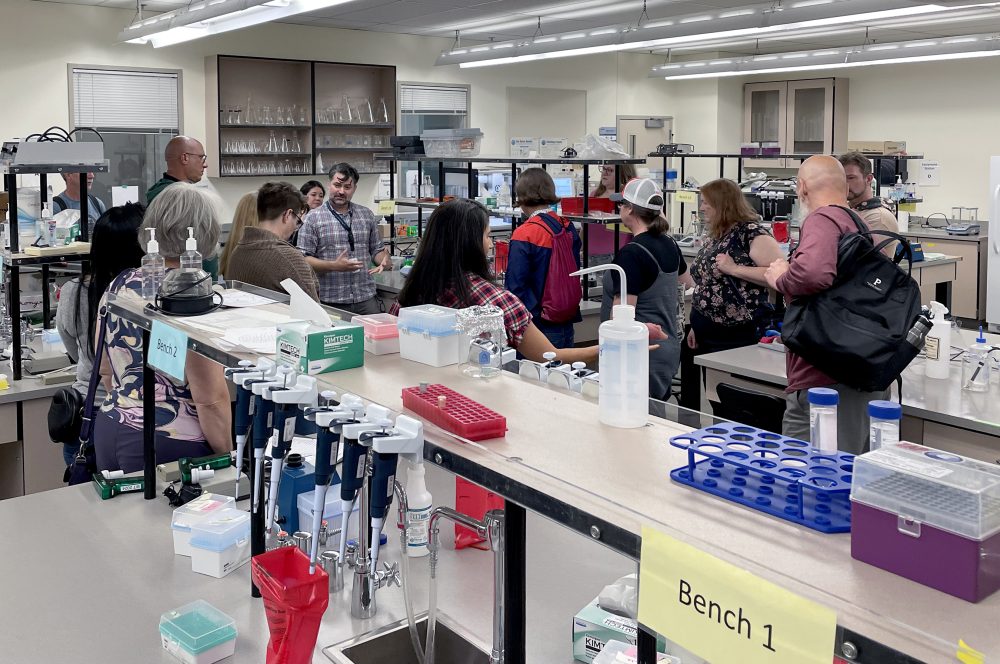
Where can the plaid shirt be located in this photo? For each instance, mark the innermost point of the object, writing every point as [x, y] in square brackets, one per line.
[516, 316]
[322, 236]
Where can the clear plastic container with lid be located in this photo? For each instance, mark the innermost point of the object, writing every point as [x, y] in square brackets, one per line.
[198, 633]
[381, 333]
[429, 334]
[185, 516]
[935, 488]
[823, 418]
[883, 418]
[452, 142]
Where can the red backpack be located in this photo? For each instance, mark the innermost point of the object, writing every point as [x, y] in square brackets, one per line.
[562, 293]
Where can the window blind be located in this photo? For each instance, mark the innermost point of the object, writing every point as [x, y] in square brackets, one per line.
[439, 99]
[125, 99]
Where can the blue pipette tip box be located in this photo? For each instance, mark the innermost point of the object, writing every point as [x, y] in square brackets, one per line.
[774, 474]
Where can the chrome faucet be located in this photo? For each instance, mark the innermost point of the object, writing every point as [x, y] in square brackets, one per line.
[492, 529]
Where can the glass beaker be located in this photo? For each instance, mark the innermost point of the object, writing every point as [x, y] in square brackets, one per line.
[482, 328]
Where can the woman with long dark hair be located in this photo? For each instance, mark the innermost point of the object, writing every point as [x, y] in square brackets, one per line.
[114, 248]
[452, 269]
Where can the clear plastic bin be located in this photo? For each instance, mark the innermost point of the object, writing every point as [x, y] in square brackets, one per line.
[191, 513]
[198, 633]
[221, 543]
[429, 334]
[619, 652]
[452, 142]
[381, 333]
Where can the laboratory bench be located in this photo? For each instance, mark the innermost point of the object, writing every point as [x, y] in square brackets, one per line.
[936, 412]
[599, 482]
[969, 291]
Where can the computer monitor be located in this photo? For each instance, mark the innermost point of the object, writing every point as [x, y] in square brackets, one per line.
[564, 187]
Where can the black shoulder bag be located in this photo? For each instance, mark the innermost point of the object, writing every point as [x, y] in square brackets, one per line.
[85, 463]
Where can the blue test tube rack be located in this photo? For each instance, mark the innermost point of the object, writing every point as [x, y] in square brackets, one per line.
[774, 474]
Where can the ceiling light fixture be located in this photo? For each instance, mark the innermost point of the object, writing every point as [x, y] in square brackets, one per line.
[691, 29]
[210, 17]
[970, 46]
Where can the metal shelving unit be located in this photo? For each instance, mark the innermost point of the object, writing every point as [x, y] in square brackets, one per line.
[586, 218]
[14, 260]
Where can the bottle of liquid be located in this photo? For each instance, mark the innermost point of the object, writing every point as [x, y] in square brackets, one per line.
[671, 180]
[898, 192]
[976, 365]
[152, 268]
[883, 423]
[623, 393]
[418, 513]
[937, 347]
[191, 258]
[47, 226]
[504, 200]
[823, 418]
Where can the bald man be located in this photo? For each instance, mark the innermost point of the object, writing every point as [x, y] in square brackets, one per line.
[186, 161]
[822, 191]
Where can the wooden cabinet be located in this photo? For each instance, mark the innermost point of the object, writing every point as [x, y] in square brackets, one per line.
[803, 117]
[968, 294]
[272, 117]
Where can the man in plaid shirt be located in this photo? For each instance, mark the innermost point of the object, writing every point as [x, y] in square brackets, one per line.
[338, 239]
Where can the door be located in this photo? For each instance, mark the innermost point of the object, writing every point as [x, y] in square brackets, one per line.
[640, 135]
[765, 119]
[810, 117]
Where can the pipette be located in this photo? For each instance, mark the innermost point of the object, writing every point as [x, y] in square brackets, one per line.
[353, 469]
[242, 376]
[263, 412]
[295, 391]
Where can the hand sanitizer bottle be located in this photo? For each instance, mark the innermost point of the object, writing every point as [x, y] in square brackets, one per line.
[191, 258]
[152, 268]
[623, 393]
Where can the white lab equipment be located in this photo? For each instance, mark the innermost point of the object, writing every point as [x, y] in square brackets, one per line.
[418, 512]
[937, 347]
[153, 268]
[883, 423]
[623, 395]
[823, 418]
[976, 365]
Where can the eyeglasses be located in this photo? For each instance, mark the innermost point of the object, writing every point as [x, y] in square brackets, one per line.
[203, 157]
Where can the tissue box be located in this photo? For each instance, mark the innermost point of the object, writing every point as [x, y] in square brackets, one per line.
[877, 147]
[593, 627]
[312, 349]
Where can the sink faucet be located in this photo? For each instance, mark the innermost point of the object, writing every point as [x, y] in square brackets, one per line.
[492, 529]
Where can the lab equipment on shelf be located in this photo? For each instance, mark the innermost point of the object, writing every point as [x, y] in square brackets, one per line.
[454, 412]
[780, 476]
[823, 403]
[198, 633]
[930, 516]
[976, 365]
[452, 142]
[883, 418]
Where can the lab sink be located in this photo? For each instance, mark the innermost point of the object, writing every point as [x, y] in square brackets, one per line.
[392, 645]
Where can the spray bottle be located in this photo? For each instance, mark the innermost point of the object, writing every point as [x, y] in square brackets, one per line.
[623, 396]
[418, 513]
[937, 347]
[152, 268]
[191, 258]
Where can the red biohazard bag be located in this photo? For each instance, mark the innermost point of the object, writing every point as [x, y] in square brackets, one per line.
[294, 602]
[475, 501]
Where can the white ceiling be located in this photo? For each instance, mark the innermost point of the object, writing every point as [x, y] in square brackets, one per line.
[482, 20]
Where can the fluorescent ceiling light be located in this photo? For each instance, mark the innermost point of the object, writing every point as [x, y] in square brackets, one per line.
[685, 30]
[971, 46]
[210, 17]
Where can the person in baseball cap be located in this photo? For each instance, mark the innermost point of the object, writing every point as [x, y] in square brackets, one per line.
[653, 268]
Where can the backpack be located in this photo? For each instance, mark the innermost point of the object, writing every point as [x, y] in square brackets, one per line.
[856, 330]
[561, 293]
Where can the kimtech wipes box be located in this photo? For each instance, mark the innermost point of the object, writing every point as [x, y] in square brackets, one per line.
[593, 627]
[313, 349]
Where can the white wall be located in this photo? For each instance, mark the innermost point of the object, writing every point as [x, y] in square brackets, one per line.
[40, 38]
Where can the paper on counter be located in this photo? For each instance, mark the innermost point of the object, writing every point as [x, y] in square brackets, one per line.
[256, 339]
[304, 307]
[222, 320]
[238, 298]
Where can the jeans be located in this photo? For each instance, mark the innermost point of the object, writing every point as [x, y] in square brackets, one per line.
[69, 453]
[852, 416]
[560, 336]
[364, 308]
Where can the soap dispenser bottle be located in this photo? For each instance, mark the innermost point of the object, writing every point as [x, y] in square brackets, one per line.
[152, 268]
[623, 392]
[191, 258]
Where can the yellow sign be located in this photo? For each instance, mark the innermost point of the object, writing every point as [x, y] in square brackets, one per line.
[907, 207]
[386, 207]
[726, 614]
[969, 655]
[686, 197]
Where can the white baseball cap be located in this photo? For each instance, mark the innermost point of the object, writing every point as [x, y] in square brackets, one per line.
[642, 192]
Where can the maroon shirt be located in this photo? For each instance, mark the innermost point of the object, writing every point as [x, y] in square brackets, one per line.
[813, 268]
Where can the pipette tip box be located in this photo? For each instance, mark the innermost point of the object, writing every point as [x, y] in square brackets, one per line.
[198, 633]
[455, 412]
[780, 476]
[930, 516]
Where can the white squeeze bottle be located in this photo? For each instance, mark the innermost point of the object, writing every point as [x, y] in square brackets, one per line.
[191, 258]
[937, 348]
[152, 268]
[418, 513]
[623, 392]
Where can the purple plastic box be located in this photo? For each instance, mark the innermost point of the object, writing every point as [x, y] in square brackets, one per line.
[951, 563]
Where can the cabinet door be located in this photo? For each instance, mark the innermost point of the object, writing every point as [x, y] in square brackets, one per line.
[765, 119]
[810, 117]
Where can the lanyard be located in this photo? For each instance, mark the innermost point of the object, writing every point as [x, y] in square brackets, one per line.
[344, 224]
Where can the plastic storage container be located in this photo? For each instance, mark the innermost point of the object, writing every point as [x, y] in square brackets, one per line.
[332, 509]
[198, 633]
[619, 652]
[429, 334]
[220, 543]
[930, 516]
[199, 509]
[455, 412]
[452, 142]
[883, 423]
[381, 333]
[823, 403]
